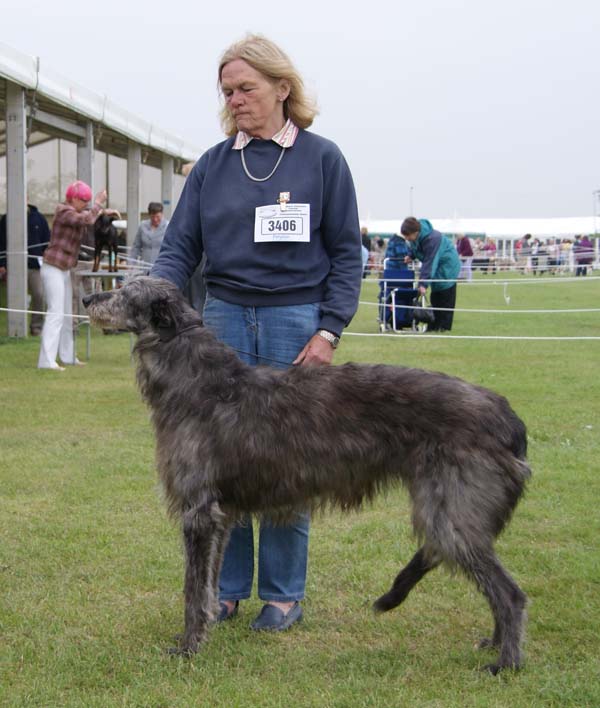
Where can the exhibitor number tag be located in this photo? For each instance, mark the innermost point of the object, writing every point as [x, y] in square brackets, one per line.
[274, 223]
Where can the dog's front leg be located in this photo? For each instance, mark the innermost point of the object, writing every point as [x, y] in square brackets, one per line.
[97, 256]
[199, 530]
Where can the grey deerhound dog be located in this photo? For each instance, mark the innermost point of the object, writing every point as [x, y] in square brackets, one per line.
[234, 439]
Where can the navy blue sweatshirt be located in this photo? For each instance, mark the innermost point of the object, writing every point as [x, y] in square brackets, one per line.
[216, 213]
[38, 236]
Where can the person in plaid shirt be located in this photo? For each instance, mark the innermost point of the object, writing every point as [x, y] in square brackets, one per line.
[71, 218]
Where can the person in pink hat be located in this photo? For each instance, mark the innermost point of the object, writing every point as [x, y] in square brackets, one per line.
[71, 218]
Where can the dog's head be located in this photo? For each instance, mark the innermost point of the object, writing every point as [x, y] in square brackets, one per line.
[143, 304]
[103, 224]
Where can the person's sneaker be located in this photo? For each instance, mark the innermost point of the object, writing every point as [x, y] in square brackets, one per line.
[272, 619]
[225, 613]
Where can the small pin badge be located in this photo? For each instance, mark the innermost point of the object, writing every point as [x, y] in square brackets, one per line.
[284, 198]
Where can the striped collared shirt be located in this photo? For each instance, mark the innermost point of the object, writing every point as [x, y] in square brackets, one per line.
[285, 137]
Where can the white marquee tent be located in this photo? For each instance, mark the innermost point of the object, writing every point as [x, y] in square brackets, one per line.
[509, 229]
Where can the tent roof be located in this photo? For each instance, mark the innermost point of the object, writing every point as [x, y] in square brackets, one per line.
[50, 93]
[561, 227]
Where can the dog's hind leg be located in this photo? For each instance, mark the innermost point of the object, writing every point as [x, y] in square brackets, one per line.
[507, 602]
[405, 581]
[221, 538]
[202, 528]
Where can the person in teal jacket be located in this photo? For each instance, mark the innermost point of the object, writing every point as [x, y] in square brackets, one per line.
[440, 267]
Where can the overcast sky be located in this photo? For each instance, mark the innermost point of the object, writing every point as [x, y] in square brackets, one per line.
[484, 109]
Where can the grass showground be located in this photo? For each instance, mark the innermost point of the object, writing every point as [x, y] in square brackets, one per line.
[91, 567]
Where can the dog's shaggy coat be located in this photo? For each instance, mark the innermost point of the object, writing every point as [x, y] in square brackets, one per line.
[234, 439]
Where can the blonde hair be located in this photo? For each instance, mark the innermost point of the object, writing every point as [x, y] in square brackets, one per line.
[265, 56]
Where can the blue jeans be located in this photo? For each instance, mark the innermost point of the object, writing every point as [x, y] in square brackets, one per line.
[277, 333]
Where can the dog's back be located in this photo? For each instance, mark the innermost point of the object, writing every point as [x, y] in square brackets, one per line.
[105, 236]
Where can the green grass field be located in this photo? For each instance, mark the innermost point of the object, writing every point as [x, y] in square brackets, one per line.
[91, 568]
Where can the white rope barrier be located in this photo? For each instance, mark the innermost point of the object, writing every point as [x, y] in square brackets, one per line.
[465, 309]
[495, 280]
[397, 335]
[512, 268]
[142, 264]
[407, 335]
[37, 312]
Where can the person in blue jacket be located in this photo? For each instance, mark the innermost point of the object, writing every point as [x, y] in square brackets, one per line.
[38, 236]
[440, 267]
[396, 251]
[273, 210]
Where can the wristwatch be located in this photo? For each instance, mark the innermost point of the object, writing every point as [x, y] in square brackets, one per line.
[333, 339]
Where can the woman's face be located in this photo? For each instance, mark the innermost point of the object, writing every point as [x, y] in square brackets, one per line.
[156, 218]
[255, 102]
[79, 204]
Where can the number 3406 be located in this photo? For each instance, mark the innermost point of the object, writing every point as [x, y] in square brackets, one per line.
[281, 225]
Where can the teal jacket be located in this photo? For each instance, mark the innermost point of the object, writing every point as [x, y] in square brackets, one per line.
[439, 259]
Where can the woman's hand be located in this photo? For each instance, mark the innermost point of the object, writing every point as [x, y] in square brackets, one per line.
[113, 212]
[101, 197]
[422, 290]
[317, 352]
[408, 259]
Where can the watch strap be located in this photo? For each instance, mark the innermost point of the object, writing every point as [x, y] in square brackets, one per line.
[332, 338]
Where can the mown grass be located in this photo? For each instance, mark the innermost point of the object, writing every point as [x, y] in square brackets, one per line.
[90, 567]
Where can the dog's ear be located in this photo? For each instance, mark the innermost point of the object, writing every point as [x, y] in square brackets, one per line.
[162, 314]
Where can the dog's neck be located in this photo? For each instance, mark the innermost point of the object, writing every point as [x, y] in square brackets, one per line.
[166, 334]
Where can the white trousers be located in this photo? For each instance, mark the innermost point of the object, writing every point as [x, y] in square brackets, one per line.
[466, 268]
[57, 333]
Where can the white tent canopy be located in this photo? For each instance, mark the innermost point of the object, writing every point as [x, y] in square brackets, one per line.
[563, 227]
[56, 90]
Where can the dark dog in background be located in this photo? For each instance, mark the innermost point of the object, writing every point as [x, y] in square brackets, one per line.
[105, 236]
[234, 439]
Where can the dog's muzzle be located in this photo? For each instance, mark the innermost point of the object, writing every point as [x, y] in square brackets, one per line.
[95, 297]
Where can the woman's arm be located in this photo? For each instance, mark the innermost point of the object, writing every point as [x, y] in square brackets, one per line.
[429, 249]
[181, 249]
[340, 230]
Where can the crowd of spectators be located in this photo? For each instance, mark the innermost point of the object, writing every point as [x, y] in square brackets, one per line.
[530, 255]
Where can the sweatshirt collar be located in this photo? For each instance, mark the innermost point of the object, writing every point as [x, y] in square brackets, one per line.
[285, 137]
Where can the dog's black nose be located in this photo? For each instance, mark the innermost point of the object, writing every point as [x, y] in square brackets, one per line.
[87, 299]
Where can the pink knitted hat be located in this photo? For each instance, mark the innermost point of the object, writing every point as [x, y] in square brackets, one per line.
[78, 190]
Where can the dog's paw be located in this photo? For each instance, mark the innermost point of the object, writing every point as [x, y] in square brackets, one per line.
[492, 669]
[495, 669]
[384, 604]
[184, 652]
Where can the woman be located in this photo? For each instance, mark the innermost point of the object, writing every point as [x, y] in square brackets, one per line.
[465, 252]
[440, 267]
[489, 249]
[583, 249]
[149, 235]
[274, 212]
[71, 218]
